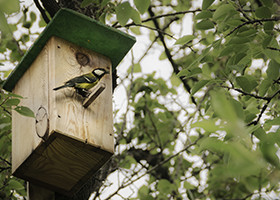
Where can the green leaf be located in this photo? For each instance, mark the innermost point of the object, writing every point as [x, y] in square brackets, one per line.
[263, 12]
[267, 3]
[188, 185]
[4, 27]
[269, 150]
[175, 80]
[162, 56]
[248, 33]
[42, 22]
[206, 4]
[222, 106]
[24, 111]
[185, 39]
[9, 6]
[264, 86]
[135, 16]
[33, 16]
[205, 14]
[122, 11]
[127, 162]
[15, 185]
[12, 102]
[223, 11]
[142, 5]
[247, 83]
[86, 3]
[125, 12]
[204, 25]
[104, 3]
[197, 86]
[136, 30]
[238, 109]
[187, 73]
[271, 122]
[268, 27]
[208, 125]
[143, 193]
[136, 68]
[273, 70]
[164, 186]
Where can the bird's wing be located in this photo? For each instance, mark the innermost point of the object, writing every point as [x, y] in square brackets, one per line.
[86, 78]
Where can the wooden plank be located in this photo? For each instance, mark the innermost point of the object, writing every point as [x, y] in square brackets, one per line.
[94, 124]
[33, 86]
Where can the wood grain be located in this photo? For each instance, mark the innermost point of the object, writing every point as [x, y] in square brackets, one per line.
[33, 86]
[93, 124]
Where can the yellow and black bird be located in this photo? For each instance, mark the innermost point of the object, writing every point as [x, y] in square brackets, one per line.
[84, 82]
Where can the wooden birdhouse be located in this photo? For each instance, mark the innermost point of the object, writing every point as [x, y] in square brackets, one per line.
[72, 134]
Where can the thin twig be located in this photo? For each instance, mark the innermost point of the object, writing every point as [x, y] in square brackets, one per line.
[7, 162]
[253, 22]
[273, 48]
[154, 168]
[264, 108]
[169, 56]
[246, 93]
[159, 16]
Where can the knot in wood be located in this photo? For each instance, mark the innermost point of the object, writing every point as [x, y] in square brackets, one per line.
[42, 123]
[82, 58]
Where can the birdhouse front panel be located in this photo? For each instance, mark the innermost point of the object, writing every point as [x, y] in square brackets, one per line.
[94, 123]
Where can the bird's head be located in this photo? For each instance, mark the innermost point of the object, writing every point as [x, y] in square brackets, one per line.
[100, 72]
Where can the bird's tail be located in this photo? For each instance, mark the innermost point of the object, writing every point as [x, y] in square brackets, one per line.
[63, 86]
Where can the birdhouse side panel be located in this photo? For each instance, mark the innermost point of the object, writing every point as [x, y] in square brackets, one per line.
[94, 124]
[33, 87]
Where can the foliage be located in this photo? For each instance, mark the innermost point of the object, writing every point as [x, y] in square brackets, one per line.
[210, 130]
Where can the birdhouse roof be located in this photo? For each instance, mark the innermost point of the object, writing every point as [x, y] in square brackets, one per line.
[80, 30]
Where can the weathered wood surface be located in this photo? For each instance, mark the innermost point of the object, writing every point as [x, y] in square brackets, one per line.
[33, 86]
[67, 114]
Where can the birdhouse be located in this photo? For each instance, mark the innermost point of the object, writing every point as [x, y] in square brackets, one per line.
[71, 136]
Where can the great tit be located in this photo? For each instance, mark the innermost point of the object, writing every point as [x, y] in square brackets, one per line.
[85, 82]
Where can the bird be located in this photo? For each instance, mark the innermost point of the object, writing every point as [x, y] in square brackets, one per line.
[84, 82]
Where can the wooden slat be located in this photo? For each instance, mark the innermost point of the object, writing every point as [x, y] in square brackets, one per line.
[33, 86]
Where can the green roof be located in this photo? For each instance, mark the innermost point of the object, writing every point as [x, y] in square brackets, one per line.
[80, 30]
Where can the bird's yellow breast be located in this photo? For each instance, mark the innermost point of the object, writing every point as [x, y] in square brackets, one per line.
[86, 86]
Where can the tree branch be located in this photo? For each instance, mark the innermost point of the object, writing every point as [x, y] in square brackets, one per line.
[51, 6]
[264, 108]
[42, 11]
[7, 162]
[168, 54]
[247, 94]
[160, 16]
[253, 22]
